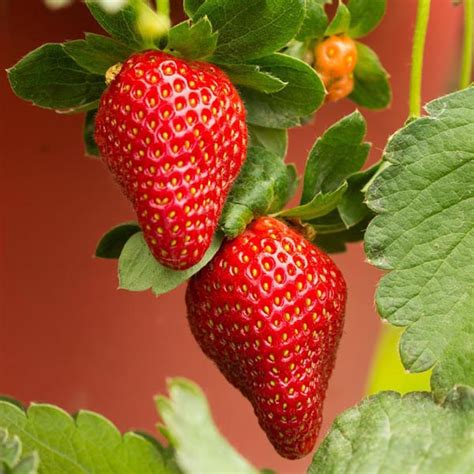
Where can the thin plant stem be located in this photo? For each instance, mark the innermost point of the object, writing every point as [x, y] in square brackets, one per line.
[466, 67]
[419, 40]
[163, 7]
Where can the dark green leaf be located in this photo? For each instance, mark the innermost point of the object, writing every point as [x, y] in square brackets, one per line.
[264, 186]
[329, 224]
[50, 78]
[303, 95]
[352, 207]
[293, 181]
[192, 6]
[139, 271]
[320, 205]
[391, 434]
[341, 21]
[365, 16]
[272, 139]
[335, 241]
[424, 235]
[315, 21]
[371, 81]
[97, 53]
[113, 242]
[200, 448]
[335, 159]
[88, 134]
[251, 76]
[336, 155]
[350, 220]
[87, 443]
[120, 25]
[193, 40]
[252, 29]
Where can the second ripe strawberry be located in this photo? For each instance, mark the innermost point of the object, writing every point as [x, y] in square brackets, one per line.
[173, 134]
[269, 311]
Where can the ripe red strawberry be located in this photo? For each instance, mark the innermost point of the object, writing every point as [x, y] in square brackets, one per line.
[269, 311]
[173, 135]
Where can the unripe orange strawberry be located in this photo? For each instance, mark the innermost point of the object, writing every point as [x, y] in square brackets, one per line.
[336, 56]
[269, 311]
[335, 61]
[340, 88]
[173, 134]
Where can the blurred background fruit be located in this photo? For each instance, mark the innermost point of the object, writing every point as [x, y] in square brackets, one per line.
[67, 336]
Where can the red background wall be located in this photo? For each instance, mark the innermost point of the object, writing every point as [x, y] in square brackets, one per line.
[67, 336]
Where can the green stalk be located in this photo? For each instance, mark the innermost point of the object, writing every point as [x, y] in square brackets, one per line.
[419, 40]
[151, 25]
[163, 7]
[466, 68]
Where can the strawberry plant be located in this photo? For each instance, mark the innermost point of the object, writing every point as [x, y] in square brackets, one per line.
[192, 122]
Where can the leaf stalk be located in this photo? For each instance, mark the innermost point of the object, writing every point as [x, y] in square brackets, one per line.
[419, 40]
[163, 7]
[466, 65]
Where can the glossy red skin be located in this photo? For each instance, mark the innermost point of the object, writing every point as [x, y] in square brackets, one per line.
[270, 299]
[173, 134]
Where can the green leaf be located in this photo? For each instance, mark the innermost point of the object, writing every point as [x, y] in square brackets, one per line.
[332, 235]
[352, 207]
[120, 25]
[97, 53]
[113, 242]
[329, 224]
[341, 21]
[303, 95]
[388, 434]
[348, 223]
[90, 145]
[193, 40]
[200, 448]
[139, 271]
[192, 6]
[252, 29]
[48, 77]
[274, 140]
[371, 80]
[365, 16]
[10, 448]
[424, 235]
[264, 186]
[11, 460]
[315, 21]
[251, 76]
[87, 443]
[320, 205]
[336, 155]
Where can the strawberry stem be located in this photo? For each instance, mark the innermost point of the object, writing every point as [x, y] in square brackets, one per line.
[163, 7]
[419, 40]
[466, 68]
[152, 25]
